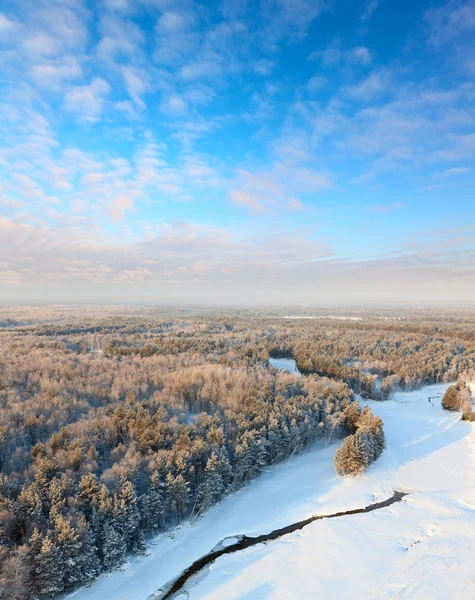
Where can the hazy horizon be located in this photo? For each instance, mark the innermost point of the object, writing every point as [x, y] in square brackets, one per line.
[279, 152]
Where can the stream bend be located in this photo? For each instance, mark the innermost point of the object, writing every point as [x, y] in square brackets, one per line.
[243, 542]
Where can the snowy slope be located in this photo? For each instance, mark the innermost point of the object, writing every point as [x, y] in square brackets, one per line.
[420, 548]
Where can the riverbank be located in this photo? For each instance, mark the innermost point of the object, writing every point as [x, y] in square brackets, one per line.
[430, 453]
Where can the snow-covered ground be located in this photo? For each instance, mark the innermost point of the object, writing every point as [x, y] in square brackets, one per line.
[421, 548]
[284, 364]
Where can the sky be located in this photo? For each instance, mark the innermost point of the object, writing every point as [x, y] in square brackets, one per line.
[237, 152]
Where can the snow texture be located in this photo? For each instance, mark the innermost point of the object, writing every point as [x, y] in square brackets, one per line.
[420, 548]
[285, 364]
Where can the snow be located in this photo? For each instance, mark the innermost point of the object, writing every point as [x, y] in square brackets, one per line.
[420, 548]
[335, 317]
[285, 364]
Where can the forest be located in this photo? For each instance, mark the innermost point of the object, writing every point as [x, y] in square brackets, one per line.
[117, 424]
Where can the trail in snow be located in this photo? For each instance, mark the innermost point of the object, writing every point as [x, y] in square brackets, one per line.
[243, 542]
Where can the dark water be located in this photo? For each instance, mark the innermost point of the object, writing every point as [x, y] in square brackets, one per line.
[246, 542]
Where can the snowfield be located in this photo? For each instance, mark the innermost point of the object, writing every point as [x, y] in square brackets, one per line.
[285, 364]
[420, 548]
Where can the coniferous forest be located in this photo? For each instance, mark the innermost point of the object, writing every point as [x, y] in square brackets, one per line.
[119, 425]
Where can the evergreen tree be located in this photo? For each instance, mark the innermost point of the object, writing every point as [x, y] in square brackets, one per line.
[114, 548]
[177, 494]
[88, 560]
[49, 568]
[153, 505]
[127, 517]
[88, 495]
[212, 487]
[35, 543]
[69, 546]
[456, 397]
[351, 459]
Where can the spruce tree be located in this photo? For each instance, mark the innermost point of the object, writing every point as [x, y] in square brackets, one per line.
[351, 459]
[177, 494]
[127, 516]
[113, 550]
[49, 568]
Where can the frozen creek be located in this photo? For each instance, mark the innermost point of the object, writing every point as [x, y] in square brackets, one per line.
[420, 548]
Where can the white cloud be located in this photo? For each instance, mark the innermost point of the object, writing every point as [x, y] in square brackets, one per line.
[248, 200]
[453, 172]
[369, 7]
[275, 191]
[172, 22]
[174, 105]
[41, 44]
[316, 83]
[136, 83]
[198, 70]
[54, 74]
[119, 206]
[289, 18]
[451, 20]
[88, 100]
[7, 26]
[375, 84]
[334, 54]
[361, 54]
[264, 67]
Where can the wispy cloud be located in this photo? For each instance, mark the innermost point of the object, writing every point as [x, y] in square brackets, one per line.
[276, 190]
[88, 101]
[451, 20]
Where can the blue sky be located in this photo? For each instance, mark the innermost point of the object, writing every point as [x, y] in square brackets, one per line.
[237, 151]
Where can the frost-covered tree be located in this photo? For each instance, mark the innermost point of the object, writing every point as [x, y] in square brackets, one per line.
[351, 459]
[114, 548]
[127, 517]
[360, 449]
[213, 486]
[457, 397]
[153, 505]
[49, 568]
[177, 491]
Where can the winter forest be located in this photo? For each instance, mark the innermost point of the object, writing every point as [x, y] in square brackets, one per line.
[119, 423]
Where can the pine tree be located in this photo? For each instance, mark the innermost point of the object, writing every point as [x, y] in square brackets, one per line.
[177, 494]
[88, 495]
[69, 546]
[88, 562]
[225, 468]
[35, 543]
[351, 459]
[114, 548]
[212, 487]
[153, 505]
[127, 516]
[49, 568]
[456, 397]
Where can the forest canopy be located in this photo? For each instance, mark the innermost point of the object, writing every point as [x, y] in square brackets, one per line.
[114, 427]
